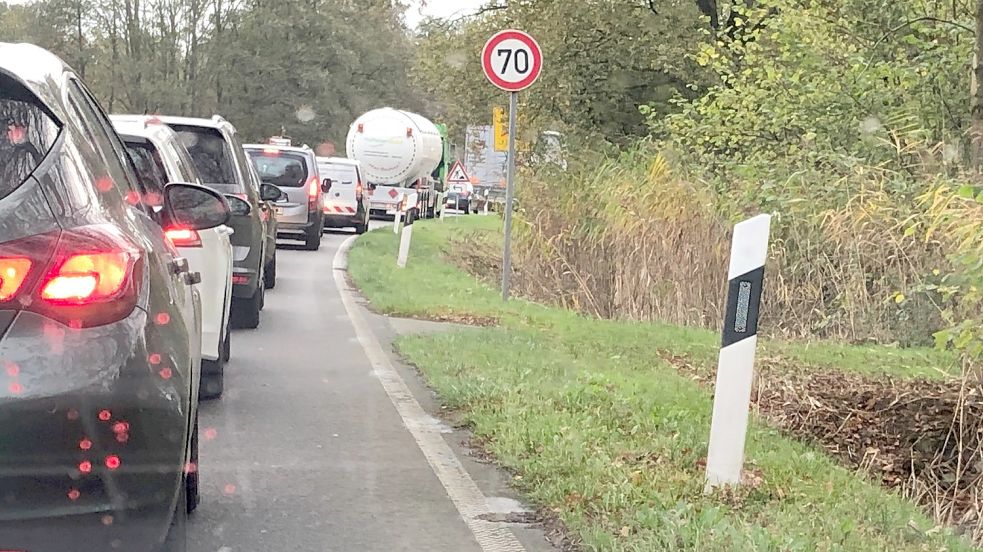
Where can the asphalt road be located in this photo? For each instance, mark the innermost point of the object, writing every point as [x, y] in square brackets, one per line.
[306, 451]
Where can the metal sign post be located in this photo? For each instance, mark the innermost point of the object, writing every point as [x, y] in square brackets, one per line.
[735, 367]
[509, 198]
[512, 61]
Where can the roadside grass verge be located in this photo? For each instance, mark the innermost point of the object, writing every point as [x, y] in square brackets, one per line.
[602, 431]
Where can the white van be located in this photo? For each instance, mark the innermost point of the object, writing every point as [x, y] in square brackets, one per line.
[346, 203]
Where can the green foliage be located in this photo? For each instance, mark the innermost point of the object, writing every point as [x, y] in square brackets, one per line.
[810, 91]
[603, 60]
[597, 239]
[838, 117]
[308, 66]
[954, 217]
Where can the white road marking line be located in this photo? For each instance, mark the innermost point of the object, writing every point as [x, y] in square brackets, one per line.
[462, 490]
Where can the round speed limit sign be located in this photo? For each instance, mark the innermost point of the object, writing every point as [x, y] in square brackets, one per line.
[512, 60]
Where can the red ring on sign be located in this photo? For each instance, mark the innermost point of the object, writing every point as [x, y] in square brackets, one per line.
[537, 60]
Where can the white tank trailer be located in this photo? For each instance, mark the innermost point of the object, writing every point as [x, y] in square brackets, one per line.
[396, 148]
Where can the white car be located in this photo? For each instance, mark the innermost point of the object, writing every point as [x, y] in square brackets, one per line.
[159, 158]
[346, 203]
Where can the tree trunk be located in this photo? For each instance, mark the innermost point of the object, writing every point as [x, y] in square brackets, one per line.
[80, 39]
[976, 97]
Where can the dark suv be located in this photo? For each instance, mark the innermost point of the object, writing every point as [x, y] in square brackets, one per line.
[215, 147]
[294, 170]
[99, 326]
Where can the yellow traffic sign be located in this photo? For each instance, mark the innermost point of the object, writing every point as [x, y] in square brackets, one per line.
[501, 129]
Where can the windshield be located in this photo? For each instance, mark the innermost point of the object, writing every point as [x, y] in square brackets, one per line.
[212, 157]
[26, 134]
[340, 174]
[282, 168]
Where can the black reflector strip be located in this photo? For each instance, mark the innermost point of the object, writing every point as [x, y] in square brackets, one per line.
[743, 301]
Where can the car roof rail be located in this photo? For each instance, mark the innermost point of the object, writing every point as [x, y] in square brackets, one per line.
[218, 118]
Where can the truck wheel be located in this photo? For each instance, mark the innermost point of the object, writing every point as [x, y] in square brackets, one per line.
[191, 478]
[226, 352]
[245, 312]
[177, 535]
[269, 275]
[212, 379]
[312, 241]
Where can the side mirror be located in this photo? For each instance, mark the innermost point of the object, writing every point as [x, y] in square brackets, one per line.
[238, 206]
[194, 207]
[269, 192]
[326, 185]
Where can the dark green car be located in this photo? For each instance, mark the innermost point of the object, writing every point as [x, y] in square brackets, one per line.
[217, 151]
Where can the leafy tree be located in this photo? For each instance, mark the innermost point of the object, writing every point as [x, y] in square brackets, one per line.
[309, 66]
[603, 59]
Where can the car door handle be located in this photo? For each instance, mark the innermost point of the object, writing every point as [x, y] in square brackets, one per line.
[192, 278]
[179, 265]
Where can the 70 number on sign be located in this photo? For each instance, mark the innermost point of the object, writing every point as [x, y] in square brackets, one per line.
[516, 64]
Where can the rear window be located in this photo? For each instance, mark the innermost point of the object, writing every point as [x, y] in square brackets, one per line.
[211, 155]
[27, 133]
[339, 174]
[150, 169]
[282, 168]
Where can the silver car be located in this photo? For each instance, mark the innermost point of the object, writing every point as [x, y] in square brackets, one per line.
[294, 170]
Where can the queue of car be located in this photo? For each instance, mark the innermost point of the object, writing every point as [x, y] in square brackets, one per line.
[130, 246]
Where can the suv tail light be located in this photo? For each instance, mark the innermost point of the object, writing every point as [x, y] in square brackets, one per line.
[359, 191]
[83, 277]
[183, 237]
[313, 193]
[13, 272]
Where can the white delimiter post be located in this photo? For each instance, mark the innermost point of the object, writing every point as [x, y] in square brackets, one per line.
[735, 368]
[404, 241]
[398, 217]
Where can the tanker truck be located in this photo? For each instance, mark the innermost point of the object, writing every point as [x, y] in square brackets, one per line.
[400, 153]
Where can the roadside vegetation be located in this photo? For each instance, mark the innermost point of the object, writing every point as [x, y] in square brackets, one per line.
[857, 126]
[604, 423]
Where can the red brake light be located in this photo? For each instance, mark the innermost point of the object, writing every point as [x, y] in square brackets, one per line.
[89, 277]
[84, 277]
[271, 151]
[313, 194]
[183, 237]
[13, 272]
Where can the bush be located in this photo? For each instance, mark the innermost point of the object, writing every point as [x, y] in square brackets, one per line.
[633, 240]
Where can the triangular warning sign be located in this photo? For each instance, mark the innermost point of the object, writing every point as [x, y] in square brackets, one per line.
[457, 174]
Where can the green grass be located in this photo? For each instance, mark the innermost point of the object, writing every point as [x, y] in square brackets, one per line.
[602, 431]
